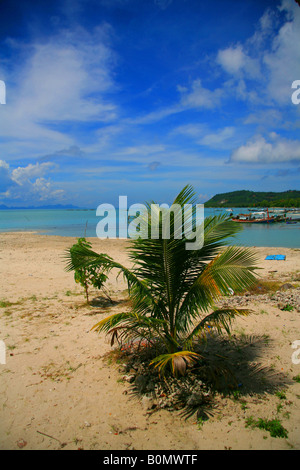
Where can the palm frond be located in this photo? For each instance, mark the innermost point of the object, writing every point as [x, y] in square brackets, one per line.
[232, 269]
[219, 319]
[178, 361]
[131, 325]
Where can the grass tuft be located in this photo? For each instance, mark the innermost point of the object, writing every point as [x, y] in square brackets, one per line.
[274, 426]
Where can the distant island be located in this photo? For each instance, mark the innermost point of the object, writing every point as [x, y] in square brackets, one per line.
[246, 198]
[54, 206]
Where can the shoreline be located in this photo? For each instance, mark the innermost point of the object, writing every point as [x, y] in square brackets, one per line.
[107, 240]
[60, 380]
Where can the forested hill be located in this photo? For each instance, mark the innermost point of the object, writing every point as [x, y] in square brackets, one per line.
[245, 198]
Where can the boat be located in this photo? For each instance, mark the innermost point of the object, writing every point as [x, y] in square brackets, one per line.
[293, 216]
[262, 217]
[278, 214]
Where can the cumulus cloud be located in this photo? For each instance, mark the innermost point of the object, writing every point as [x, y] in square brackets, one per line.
[28, 183]
[44, 190]
[240, 67]
[231, 59]
[259, 150]
[200, 97]
[23, 175]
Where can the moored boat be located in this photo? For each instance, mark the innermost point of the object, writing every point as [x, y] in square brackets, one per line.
[254, 218]
[293, 216]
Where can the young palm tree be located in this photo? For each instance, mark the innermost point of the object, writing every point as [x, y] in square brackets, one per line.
[174, 290]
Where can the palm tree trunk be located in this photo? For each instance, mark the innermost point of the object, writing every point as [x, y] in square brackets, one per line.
[86, 291]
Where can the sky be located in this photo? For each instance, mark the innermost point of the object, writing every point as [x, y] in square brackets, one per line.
[140, 97]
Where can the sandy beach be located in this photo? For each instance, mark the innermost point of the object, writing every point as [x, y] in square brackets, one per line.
[60, 387]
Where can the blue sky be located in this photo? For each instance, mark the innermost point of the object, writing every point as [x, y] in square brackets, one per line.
[140, 97]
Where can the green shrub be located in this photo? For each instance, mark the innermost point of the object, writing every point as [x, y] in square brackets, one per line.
[274, 426]
[87, 276]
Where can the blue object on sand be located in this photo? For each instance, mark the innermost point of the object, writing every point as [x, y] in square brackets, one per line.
[276, 257]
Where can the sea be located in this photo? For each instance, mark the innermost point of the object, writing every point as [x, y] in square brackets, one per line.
[83, 222]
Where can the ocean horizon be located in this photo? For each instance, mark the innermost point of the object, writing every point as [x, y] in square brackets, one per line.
[83, 222]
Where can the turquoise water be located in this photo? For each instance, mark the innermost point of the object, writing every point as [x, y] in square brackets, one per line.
[80, 223]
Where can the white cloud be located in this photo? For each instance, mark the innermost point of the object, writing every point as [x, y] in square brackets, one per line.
[264, 32]
[283, 60]
[205, 136]
[266, 22]
[191, 130]
[140, 153]
[265, 117]
[259, 150]
[22, 175]
[236, 61]
[62, 80]
[218, 138]
[64, 73]
[259, 71]
[5, 180]
[199, 96]
[4, 165]
[156, 115]
[194, 97]
[232, 59]
[44, 190]
[263, 67]
[243, 92]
